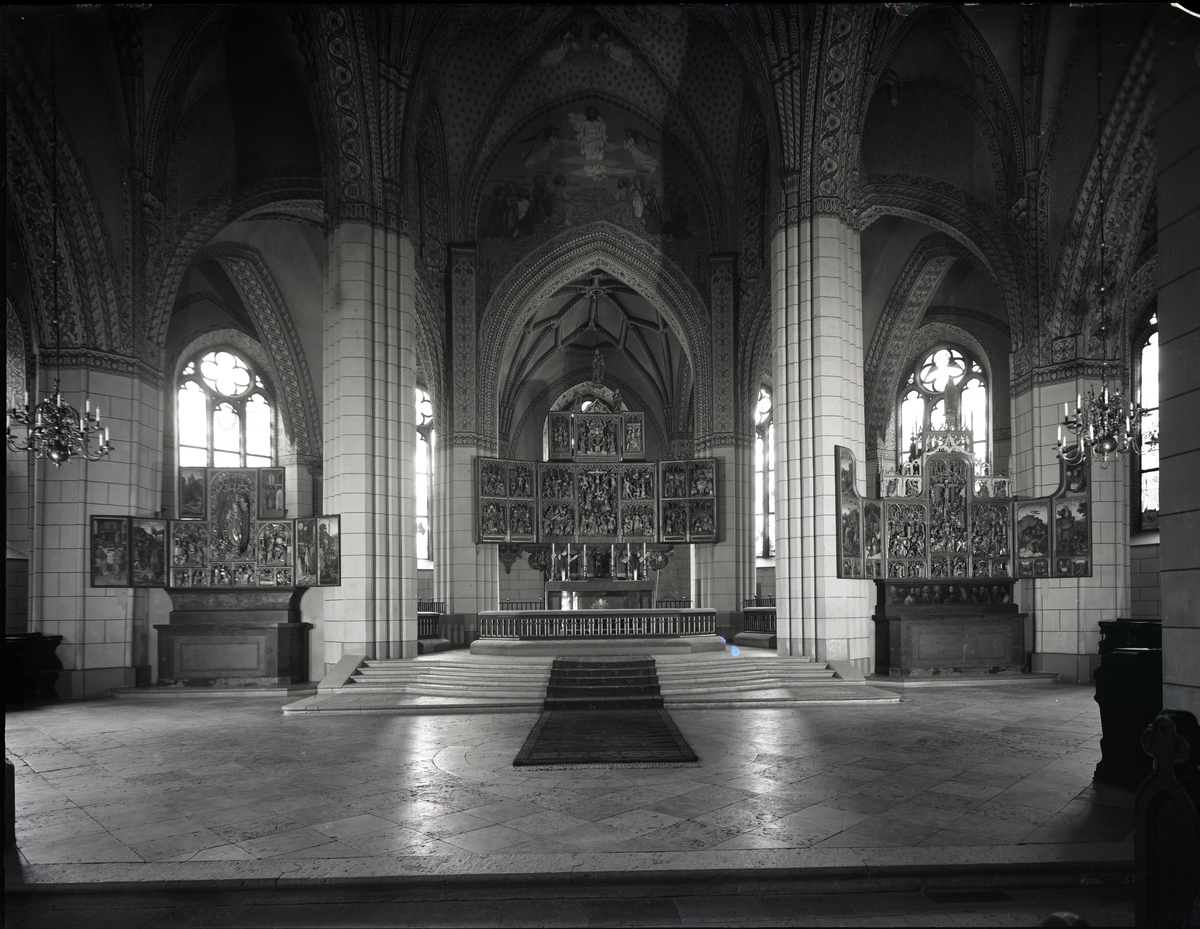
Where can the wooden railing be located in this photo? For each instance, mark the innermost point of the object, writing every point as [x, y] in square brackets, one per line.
[759, 619]
[595, 624]
[511, 605]
[428, 625]
[431, 606]
[676, 604]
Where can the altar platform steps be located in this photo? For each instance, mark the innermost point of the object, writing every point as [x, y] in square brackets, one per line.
[458, 682]
[600, 684]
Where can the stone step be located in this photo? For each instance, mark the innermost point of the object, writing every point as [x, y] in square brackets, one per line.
[605, 703]
[414, 674]
[580, 692]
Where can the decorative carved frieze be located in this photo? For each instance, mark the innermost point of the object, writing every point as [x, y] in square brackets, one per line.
[463, 316]
[724, 388]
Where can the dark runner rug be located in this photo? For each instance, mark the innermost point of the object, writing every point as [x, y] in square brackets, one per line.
[604, 713]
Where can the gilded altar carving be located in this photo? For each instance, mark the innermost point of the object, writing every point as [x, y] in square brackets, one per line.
[601, 501]
[945, 517]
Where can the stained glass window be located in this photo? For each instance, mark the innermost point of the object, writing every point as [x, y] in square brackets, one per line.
[424, 472]
[764, 475]
[225, 416]
[1146, 463]
[946, 384]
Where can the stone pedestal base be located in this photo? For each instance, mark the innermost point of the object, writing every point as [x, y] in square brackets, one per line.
[923, 646]
[234, 638]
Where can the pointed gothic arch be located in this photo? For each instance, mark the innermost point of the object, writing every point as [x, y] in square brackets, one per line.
[576, 253]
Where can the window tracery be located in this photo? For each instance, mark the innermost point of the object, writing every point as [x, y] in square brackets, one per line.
[424, 475]
[226, 416]
[764, 475]
[1145, 463]
[947, 386]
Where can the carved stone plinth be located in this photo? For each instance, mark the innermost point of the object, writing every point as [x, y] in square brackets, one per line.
[231, 638]
[917, 636]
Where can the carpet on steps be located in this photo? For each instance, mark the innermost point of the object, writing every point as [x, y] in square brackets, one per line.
[604, 712]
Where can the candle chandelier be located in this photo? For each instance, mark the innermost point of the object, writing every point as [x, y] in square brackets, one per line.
[54, 429]
[1106, 424]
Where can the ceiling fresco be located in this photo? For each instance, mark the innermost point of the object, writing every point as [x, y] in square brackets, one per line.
[583, 162]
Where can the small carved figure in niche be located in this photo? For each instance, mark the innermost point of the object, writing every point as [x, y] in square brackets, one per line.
[493, 481]
[558, 519]
[925, 597]
[522, 520]
[633, 436]
[597, 366]
[522, 482]
[638, 484]
[674, 482]
[492, 519]
[702, 481]
[222, 575]
[560, 435]
[675, 520]
[909, 598]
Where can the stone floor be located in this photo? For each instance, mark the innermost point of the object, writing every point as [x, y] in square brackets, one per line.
[224, 789]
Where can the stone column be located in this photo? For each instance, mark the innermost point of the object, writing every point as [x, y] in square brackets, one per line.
[105, 630]
[724, 571]
[818, 403]
[465, 575]
[1177, 81]
[1065, 612]
[370, 440]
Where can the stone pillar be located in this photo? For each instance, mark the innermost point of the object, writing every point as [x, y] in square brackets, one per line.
[370, 440]
[1065, 613]
[724, 571]
[818, 403]
[465, 575]
[1177, 82]
[105, 630]
[302, 479]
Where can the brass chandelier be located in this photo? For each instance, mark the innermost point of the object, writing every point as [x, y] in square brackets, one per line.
[54, 429]
[1105, 424]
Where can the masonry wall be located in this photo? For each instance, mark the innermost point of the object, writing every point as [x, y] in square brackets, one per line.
[1145, 595]
[1178, 101]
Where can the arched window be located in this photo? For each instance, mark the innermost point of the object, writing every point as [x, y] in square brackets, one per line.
[764, 475]
[1145, 364]
[424, 472]
[946, 384]
[226, 419]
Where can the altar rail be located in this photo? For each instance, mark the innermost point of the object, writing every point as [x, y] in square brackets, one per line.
[758, 619]
[428, 625]
[510, 606]
[595, 624]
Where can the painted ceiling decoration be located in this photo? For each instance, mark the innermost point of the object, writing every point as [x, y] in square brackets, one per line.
[562, 142]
